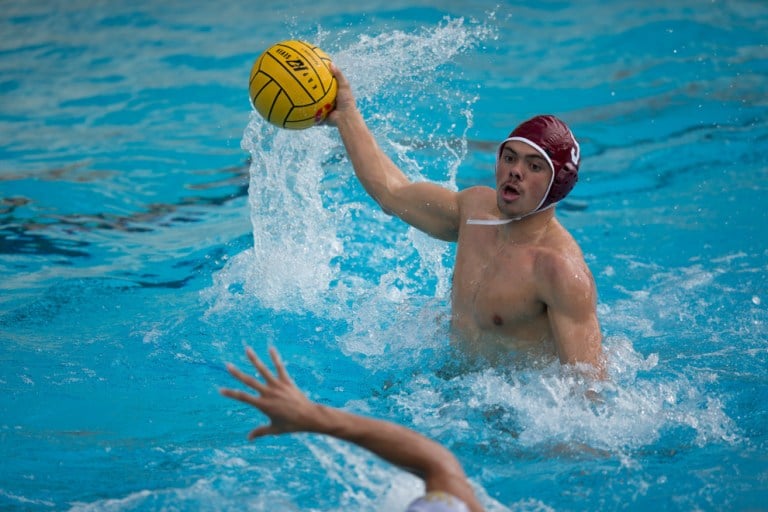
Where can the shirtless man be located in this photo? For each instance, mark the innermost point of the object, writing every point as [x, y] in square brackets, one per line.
[520, 282]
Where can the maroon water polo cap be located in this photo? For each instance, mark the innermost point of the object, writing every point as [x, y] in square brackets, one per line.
[553, 139]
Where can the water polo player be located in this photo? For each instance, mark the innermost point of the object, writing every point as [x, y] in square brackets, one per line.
[520, 282]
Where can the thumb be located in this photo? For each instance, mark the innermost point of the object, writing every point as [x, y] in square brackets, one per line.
[264, 430]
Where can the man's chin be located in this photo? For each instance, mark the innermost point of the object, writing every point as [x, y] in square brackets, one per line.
[511, 211]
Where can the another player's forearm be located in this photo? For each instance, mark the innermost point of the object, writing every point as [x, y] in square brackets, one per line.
[395, 444]
[400, 446]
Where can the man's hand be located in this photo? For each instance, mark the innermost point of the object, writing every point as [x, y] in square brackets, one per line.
[345, 100]
[279, 398]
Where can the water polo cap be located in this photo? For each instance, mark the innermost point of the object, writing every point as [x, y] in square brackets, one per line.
[553, 139]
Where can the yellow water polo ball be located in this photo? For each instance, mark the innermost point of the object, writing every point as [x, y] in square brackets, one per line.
[291, 85]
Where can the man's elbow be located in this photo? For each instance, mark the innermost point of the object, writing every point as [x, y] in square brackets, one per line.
[589, 360]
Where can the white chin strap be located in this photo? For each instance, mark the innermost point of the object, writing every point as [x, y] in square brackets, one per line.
[500, 222]
[491, 222]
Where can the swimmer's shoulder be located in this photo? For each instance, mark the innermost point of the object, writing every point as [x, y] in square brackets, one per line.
[477, 200]
[563, 273]
[477, 191]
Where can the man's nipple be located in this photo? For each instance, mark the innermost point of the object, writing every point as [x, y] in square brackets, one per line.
[497, 320]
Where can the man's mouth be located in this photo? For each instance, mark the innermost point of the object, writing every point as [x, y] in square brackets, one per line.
[510, 192]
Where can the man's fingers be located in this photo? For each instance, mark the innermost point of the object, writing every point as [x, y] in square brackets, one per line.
[245, 378]
[256, 362]
[340, 78]
[279, 366]
[241, 396]
[262, 431]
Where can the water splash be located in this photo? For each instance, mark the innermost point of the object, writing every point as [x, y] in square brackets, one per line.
[661, 401]
[320, 244]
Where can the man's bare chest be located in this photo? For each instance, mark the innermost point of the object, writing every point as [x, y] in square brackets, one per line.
[499, 289]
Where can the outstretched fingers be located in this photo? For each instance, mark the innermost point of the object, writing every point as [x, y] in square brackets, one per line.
[277, 396]
[246, 379]
[241, 396]
[282, 373]
[259, 365]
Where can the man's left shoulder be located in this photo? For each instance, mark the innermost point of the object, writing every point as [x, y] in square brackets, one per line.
[562, 266]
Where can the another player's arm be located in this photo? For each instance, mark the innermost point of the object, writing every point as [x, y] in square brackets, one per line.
[403, 447]
[426, 206]
[289, 410]
[570, 295]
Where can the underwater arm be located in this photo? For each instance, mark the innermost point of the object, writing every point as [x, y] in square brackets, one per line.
[289, 410]
[426, 206]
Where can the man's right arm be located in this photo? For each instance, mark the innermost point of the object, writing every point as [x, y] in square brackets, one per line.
[426, 206]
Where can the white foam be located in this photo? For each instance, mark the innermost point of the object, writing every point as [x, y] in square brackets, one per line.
[309, 224]
[554, 410]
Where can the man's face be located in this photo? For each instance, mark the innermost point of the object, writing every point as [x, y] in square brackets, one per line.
[522, 178]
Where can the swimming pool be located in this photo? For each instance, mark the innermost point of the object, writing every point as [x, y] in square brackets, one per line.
[152, 225]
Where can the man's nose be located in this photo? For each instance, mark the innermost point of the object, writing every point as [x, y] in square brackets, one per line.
[516, 170]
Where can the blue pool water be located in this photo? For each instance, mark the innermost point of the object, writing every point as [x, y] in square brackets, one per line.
[152, 225]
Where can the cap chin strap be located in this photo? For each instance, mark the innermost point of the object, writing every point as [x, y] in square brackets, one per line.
[491, 222]
[499, 222]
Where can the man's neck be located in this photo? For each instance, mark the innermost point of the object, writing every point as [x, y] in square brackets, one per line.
[530, 229]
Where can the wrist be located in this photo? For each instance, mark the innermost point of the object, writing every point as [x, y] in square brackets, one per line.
[348, 116]
[318, 418]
